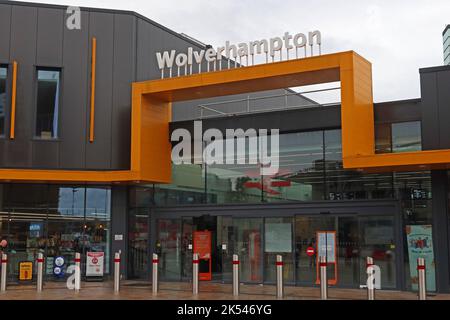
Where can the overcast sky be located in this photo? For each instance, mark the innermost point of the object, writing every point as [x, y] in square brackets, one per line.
[397, 36]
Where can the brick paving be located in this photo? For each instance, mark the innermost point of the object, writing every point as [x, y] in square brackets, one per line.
[131, 290]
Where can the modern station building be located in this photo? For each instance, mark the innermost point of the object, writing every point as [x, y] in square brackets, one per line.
[85, 139]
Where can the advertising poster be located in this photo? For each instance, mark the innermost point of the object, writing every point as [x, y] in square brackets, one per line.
[326, 245]
[94, 264]
[420, 245]
[25, 270]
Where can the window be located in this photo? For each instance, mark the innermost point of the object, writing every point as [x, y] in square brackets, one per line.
[3, 79]
[47, 111]
[406, 137]
[398, 137]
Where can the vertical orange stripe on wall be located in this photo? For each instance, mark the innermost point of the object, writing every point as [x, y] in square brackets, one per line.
[92, 115]
[13, 102]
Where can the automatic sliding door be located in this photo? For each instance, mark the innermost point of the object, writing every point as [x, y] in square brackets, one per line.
[168, 248]
[248, 245]
[305, 236]
[377, 241]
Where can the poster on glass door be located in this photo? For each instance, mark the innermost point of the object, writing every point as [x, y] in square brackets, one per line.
[420, 245]
[94, 264]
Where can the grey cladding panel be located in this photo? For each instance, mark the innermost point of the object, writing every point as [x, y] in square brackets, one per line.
[48, 54]
[5, 23]
[143, 55]
[23, 49]
[75, 97]
[98, 153]
[49, 37]
[430, 111]
[443, 81]
[123, 76]
[45, 154]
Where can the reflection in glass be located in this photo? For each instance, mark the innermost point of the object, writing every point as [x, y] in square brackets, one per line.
[300, 176]
[168, 248]
[406, 136]
[47, 110]
[248, 245]
[3, 79]
[57, 221]
[138, 237]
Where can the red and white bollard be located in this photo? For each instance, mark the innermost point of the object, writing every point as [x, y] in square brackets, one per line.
[40, 270]
[155, 262]
[279, 265]
[116, 272]
[195, 262]
[3, 272]
[77, 271]
[421, 273]
[235, 275]
[323, 278]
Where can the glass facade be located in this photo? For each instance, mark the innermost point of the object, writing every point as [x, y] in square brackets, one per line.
[54, 220]
[310, 169]
[47, 103]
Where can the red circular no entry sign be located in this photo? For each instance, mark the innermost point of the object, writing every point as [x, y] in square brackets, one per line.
[310, 251]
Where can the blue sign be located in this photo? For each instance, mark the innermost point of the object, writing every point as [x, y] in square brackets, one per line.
[58, 266]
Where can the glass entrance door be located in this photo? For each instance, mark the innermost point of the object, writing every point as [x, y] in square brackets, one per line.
[248, 245]
[356, 238]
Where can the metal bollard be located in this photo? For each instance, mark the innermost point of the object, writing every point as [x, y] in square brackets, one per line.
[155, 273]
[370, 284]
[195, 274]
[422, 279]
[40, 269]
[116, 272]
[3, 272]
[323, 278]
[77, 271]
[235, 275]
[279, 264]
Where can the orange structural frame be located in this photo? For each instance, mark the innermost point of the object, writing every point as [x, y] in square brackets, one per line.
[151, 114]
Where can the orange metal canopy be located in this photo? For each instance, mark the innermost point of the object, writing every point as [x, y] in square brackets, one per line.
[151, 114]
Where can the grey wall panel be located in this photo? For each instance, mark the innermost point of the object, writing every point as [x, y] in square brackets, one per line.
[49, 37]
[398, 111]
[443, 89]
[287, 121]
[48, 54]
[119, 225]
[5, 32]
[23, 49]
[143, 47]
[123, 75]
[98, 153]
[158, 43]
[45, 154]
[430, 111]
[75, 96]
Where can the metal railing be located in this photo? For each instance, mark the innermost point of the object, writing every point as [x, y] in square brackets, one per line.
[247, 108]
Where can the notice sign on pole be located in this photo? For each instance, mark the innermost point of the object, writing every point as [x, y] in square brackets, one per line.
[95, 264]
[25, 270]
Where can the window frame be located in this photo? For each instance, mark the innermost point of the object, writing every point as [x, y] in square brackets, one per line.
[38, 68]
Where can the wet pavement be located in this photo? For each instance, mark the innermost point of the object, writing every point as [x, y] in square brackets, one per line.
[132, 290]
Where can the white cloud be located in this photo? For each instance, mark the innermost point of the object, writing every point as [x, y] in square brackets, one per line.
[398, 37]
